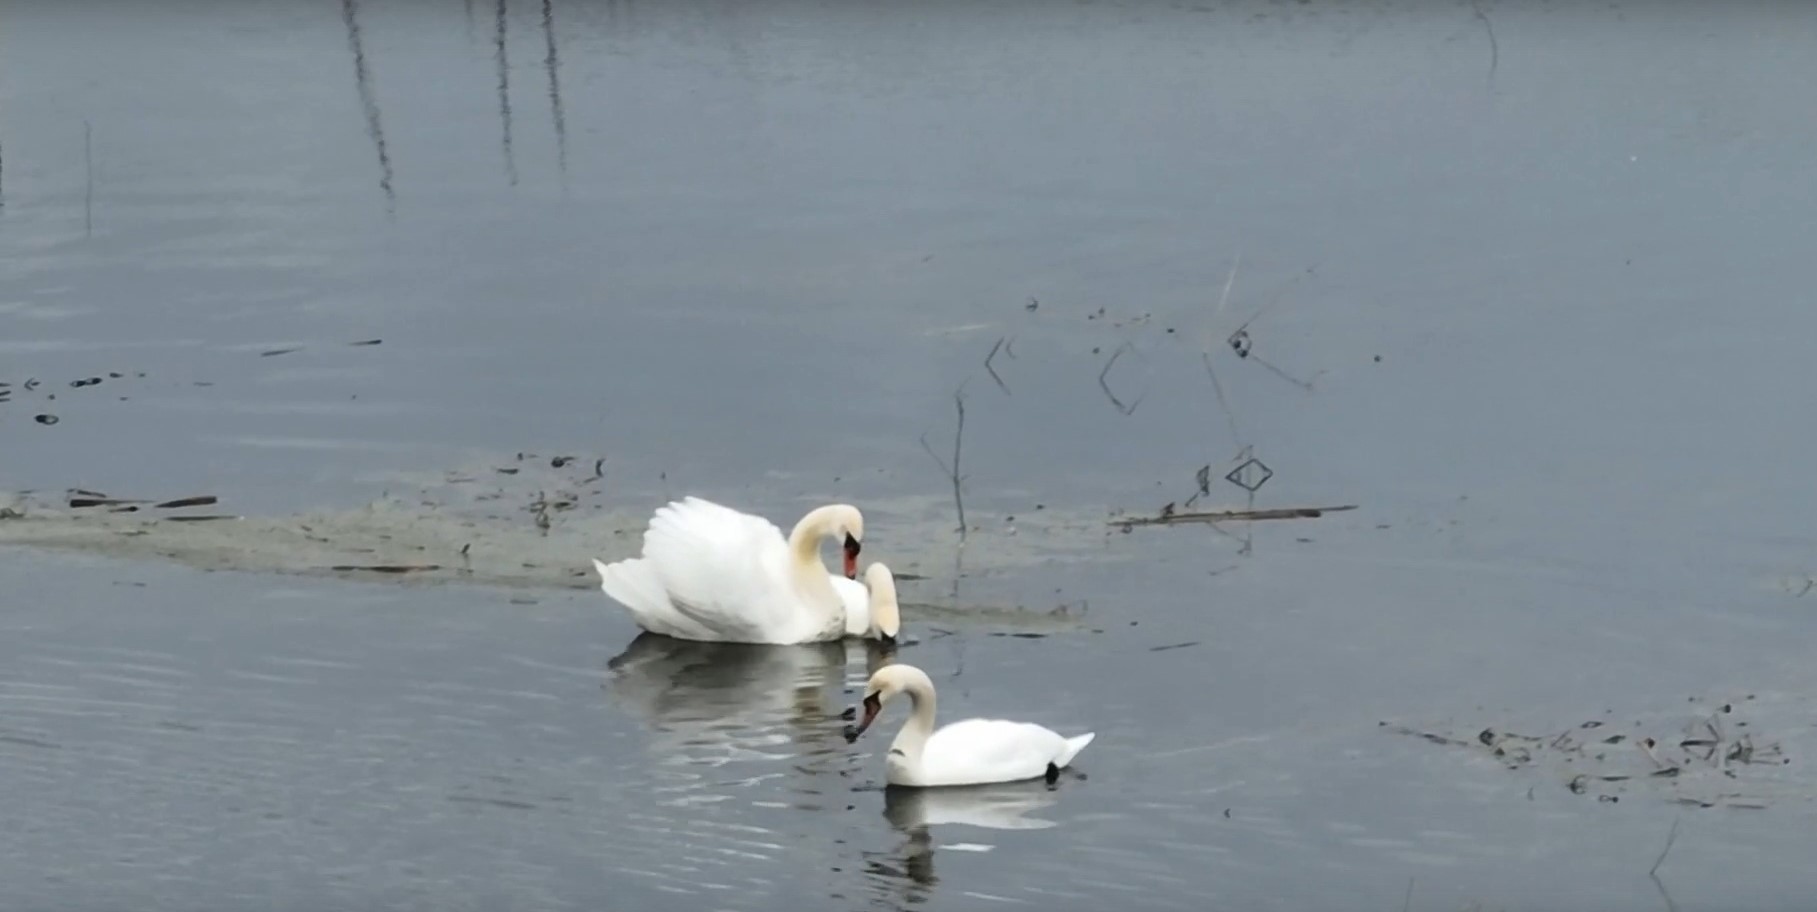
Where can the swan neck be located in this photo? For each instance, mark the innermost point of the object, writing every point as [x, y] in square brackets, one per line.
[812, 578]
[804, 539]
[913, 736]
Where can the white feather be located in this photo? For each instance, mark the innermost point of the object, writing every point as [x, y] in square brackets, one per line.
[968, 752]
[712, 573]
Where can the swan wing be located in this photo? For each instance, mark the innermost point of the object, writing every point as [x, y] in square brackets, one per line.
[726, 571]
[977, 751]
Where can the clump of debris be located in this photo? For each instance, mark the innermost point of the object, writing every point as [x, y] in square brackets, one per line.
[1710, 758]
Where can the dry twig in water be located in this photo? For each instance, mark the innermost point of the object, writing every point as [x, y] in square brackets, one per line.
[952, 469]
[88, 181]
[1205, 355]
[1653, 873]
[1104, 383]
[993, 371]
[1495, 50]
[1671, 837]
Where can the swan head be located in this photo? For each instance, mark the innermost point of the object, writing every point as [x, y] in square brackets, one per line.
[886, 615]
[889, 681]
[852, 547]
[843, 521]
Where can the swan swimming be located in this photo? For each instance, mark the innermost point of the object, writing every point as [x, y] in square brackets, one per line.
[714, 574]
[967, 752]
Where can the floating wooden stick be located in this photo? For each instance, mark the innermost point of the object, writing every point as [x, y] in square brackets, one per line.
[1218, 516]
[181, 502]
[78, 502]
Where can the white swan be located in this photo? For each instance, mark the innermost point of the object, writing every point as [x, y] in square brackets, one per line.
[969, 752]
[713, 574]
[870, 607]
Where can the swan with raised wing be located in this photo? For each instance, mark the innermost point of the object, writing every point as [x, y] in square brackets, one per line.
[714, 574]
[968, 752]
[871, 611]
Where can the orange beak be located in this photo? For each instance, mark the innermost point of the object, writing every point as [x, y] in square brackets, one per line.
[873, 704]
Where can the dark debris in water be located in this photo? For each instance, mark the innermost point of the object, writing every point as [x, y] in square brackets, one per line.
[1700, 763]
[291, 349]
[89, 499]
[32, 385]
[181, 502]
[81, 498]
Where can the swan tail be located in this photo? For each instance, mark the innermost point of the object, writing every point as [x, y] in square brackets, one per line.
[634, 584]
[1072, 748]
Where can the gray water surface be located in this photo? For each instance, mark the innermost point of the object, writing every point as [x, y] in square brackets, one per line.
[1527, 284]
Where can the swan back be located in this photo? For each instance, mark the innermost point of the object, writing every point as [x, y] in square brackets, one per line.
[976, 751]
[870, 606]
[886, 614]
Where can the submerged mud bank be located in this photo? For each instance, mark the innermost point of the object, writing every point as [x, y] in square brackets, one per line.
[531, 523]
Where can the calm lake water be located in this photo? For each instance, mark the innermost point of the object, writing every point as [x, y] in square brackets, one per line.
[1528, 284]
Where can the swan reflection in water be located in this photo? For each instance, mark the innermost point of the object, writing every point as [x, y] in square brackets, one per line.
[714, 703]
[907, 874]
[994, 807]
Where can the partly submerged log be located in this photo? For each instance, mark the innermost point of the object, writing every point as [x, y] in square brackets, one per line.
[1174, 518]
